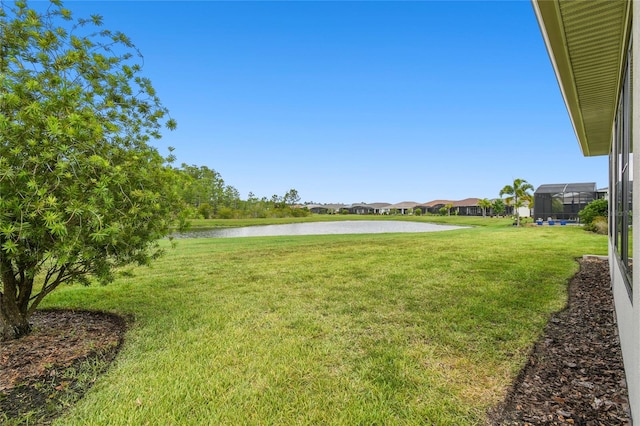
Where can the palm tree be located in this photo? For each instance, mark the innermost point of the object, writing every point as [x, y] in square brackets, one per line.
[448, 206]
[518, 194]
[484, 204]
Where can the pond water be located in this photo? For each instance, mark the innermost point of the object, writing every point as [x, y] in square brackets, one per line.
[321, 228]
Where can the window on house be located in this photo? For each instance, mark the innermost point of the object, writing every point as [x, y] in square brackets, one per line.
[621, 180]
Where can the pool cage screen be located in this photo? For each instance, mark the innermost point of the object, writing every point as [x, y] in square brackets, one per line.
[562, 201]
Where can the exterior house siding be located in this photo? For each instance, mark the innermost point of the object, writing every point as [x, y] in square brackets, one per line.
[599, 100]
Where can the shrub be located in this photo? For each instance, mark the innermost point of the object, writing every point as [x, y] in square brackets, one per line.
[205, 211]
[301, 212]
[599, 225]
[225, 213]
[596, 208]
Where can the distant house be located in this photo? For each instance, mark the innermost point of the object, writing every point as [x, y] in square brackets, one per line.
[404, 207]
[361, 209]
[433, 206]
[326, 208]
[563, 200]
[356, 208]
[380, 208]
[466, 207]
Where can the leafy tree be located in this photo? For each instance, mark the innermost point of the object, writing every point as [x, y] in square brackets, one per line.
[230, 197]
[484, 204]
[202, 186]
[596, 208]
[277, 201]
[498, 206]
[81, 189]
[291, 197]
[517, 195]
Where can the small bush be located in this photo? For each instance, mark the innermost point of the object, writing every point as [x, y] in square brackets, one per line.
[599, 225]
[301, 212]
[602, 225]
[596, 208]
[205, 211]
[225, 213]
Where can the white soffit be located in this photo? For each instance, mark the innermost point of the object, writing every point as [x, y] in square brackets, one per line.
[587, 42]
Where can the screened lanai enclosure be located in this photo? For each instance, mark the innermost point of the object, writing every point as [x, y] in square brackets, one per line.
[562, 201]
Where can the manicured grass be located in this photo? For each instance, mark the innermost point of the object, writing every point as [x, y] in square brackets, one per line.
[347, 329]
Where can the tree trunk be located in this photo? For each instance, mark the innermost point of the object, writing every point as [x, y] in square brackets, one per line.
[13, 323]
[14, 317]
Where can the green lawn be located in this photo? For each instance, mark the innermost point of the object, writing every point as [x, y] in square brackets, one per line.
[348, 329]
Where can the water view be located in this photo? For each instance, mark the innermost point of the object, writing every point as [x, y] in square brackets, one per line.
[320, 228]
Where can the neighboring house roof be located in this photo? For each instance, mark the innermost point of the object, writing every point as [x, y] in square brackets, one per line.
[467, 202]
[436, 203]
[587, 41]
[362, 206]
[326, 206]
[560, 188]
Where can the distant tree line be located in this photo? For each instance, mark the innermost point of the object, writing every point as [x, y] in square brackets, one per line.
[207, 196]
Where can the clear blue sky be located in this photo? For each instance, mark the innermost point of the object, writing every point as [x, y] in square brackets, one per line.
[357, 101]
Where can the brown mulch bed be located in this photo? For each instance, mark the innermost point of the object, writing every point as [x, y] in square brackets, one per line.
[574, 374]
[44, 372]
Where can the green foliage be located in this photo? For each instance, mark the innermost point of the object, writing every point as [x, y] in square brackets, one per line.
[206, 192]
[300, 212]
[291, 197]
[448, 206]
[596, 208]
[202, 185]
[484, 204]
[81, 189]
[599, 225]
[205, 211]
[499, 207]
[518, 193]
[225, 213]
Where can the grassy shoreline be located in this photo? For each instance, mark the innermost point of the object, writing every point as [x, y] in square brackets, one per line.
[340, 329]
[206, 224]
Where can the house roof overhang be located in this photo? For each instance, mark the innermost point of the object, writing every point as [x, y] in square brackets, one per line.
[587, 43]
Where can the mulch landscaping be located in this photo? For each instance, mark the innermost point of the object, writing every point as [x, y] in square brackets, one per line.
[43, 373]
[574, 374]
